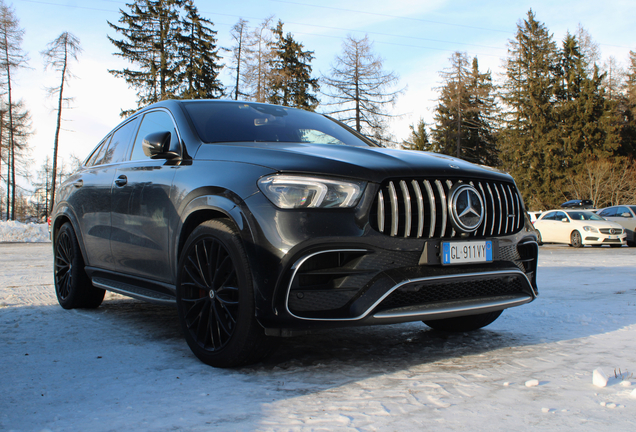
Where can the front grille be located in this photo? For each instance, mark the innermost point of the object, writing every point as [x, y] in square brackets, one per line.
[418, 208]
[612, 231]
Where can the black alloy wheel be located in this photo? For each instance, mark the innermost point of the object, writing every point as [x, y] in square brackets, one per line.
[215, 298]
[73, 288]
[575, 239]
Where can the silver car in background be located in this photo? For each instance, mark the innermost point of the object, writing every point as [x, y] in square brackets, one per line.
[624, 215]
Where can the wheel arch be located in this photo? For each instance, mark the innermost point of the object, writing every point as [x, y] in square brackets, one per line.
[205, 208]
[65, 214]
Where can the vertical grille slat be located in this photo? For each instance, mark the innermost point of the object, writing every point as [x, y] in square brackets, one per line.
[395, 218]
[420, 208]
[442, 201]
[506, 212]
[432, 208]
[380, 211]
[407, 210]
[492, 210]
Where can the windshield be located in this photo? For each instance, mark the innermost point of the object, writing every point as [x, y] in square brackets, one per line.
[584, 215]
[217, 122]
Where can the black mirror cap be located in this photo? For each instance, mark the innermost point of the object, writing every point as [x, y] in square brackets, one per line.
[157, 146]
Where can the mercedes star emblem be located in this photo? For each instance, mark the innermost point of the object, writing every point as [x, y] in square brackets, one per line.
[466, 208]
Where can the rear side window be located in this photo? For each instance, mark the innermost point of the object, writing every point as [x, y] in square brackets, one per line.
[98, 153]
[117, 149]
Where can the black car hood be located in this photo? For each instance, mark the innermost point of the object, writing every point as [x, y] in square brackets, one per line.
[366, 163]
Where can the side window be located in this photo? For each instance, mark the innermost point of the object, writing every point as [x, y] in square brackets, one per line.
[155, 121]
[620, 211]
[116, 151]
[608, 212]
[561, 216]
[98, 153]
[549, 216]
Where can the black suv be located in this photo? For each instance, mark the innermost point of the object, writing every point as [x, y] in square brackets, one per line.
[260, 221]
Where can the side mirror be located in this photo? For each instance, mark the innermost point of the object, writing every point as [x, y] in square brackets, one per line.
[565, 220]
[626, 215]
[157, 146]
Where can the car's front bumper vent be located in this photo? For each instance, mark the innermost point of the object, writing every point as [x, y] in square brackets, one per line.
[418, 208]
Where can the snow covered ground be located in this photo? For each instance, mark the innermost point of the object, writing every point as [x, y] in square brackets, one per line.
[125, 365]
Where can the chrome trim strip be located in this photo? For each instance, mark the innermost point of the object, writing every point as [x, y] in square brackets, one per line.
[407, 207]
[420, 208]
[297, 266]
[380, 211]
[514, 209]
[394, 209]
[432, 208]
[442, 198]
[517, 301]
[389, 292]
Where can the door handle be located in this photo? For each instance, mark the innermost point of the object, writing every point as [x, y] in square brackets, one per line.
[79, 183]
[121, 180]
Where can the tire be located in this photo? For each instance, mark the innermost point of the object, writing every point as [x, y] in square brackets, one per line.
[616, 245]
[464, 323]
[576, 240]
[539, 239]
[215, 298]
[73, 288]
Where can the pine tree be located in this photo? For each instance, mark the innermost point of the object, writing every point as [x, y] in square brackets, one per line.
[197, 63]
[291, 83]
[418, 140]
[464, 123]
[360, 91]
[528, 144]
[151, 33]
[626, 110]
[65, 48]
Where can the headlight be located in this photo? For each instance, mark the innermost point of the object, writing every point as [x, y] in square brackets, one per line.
[590, 229]
[291, 191]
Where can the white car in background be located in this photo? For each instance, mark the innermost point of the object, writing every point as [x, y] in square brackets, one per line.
[578, 228]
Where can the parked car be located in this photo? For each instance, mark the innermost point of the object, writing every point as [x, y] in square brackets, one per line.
[580, 204]
[534, 215]
[578, 228]
[259, 221]
[624, 215]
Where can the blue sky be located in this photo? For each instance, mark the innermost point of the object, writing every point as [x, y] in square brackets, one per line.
[415, 39]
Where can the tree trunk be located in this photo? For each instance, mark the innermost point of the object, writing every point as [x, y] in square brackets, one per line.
[57, 134]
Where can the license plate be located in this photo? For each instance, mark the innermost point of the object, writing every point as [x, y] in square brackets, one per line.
[466, 252]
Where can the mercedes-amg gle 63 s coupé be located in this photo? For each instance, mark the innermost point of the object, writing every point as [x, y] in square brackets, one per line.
[260, 221]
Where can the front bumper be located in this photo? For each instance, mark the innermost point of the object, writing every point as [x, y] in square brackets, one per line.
[599, 239]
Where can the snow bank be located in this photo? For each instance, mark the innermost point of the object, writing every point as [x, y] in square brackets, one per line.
[12, 231]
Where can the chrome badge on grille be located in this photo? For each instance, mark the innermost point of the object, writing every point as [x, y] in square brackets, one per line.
[466, 208]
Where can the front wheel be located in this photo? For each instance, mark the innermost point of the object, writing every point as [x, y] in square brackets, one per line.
[73, 288]
[464, 323]
[215, 298]
[575, 239]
